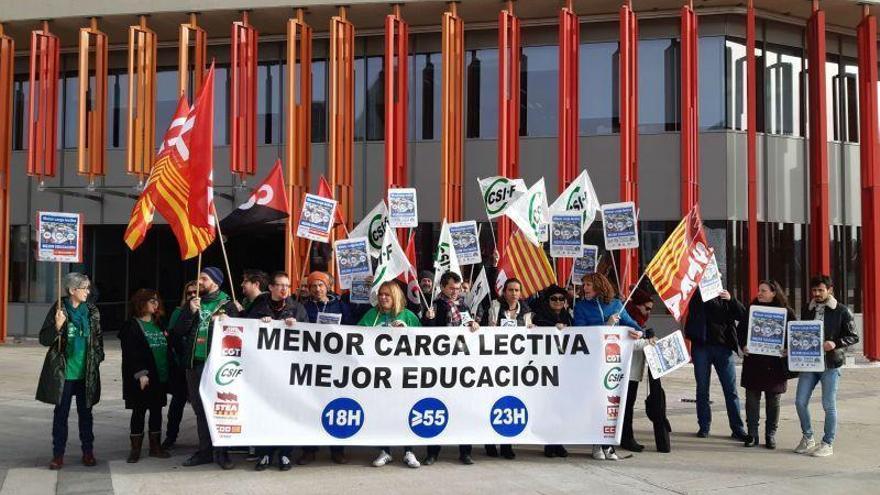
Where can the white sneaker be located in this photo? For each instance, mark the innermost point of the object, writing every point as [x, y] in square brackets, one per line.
[598, 453]
[384, 458]
[410, 459]
[823, 450]
[807, 444]
[610, 454]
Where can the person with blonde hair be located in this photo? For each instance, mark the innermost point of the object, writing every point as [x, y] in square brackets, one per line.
[390, 311]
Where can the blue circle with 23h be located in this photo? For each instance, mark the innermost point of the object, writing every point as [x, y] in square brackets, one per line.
[509, 416]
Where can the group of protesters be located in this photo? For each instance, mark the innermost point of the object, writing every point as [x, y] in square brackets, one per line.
[166, 357]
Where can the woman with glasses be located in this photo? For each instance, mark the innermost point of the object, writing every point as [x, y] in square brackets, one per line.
[72, 332]
[552, 311]
[600, 306]
[177, 376]
[390, 311]
[146, 369]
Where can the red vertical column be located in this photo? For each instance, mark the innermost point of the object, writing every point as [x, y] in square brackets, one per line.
[508, 105]
[569, 45]
[396, 57]
[752, 151]
[629, 131]
[690, 163]
[869, 147]
[7, 67]
[43, 104]
[820, 237]
[243, 114]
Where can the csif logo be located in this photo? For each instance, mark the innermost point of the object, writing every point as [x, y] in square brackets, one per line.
[613, 378]
[498, 195]
[376, 230]
[228, 372]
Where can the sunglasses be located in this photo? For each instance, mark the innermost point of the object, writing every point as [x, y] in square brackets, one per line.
[557, 299]
[192, 292]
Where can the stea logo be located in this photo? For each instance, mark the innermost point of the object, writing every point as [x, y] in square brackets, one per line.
[609, 431]
[613, 378]
[612, 349]
[227, 430]
[226, 407]
[228, 372]
[231, 344]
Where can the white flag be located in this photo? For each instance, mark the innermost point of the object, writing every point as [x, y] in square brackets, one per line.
[392, 261]
[579, 196]
[445, 259]
[530, 213]
[373, 227]
[479, 291]
[499, 192]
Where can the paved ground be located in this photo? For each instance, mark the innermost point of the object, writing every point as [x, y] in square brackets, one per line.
[696, 465]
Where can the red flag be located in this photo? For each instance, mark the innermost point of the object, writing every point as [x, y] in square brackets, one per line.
[325, 191]
[410, 277]
[267, 204]
[201, 162]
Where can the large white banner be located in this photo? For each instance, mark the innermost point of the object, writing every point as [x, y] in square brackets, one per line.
[264, 384]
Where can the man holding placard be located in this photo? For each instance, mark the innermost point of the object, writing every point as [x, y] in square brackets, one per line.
[839, 329]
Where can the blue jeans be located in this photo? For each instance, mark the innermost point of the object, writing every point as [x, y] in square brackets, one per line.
[807, 381]
[704, 358]
[62, 412]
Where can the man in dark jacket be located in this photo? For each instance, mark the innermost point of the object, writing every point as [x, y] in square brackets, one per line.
[711, 327]
[194, 329]
[839, 329]
[277, 305]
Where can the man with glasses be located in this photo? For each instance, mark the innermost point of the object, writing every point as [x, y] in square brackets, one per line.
[194, 328]
[277, 305]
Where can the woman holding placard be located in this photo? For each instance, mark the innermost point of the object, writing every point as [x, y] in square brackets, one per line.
[390, 311]
[768, 374]
[600, 306]
[508, 311]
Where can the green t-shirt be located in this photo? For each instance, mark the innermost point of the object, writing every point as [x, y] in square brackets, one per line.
[374, 318]
[77, 341]
[205, 318]
[158, 346]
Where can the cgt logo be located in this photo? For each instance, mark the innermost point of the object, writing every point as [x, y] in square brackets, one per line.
[229, 429]
[613, 378]
[231, 346]
[612, 349]
[228, 372]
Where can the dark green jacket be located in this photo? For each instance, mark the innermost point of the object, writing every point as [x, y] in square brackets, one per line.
[51, 385]
[187, 325]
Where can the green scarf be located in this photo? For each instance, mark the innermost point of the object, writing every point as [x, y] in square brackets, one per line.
[209, 307]
[77, 339]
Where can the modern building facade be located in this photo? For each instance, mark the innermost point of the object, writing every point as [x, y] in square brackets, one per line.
[781, 182]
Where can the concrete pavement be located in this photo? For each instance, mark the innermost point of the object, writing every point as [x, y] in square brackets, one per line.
[695, 466]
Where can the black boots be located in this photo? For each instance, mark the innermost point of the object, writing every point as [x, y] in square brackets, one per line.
[156, 449]
[137, 441]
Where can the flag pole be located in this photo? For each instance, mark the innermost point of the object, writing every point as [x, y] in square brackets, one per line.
[198, 268]
[491, 229]
[225, 257]
[471, 274]
[302, 273]
[614, 264]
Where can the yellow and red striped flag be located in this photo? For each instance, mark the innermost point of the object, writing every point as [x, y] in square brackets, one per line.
[526, 262]
[181, 183]
[678, 266]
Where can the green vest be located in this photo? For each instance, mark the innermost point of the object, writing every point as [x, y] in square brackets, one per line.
[158, 346]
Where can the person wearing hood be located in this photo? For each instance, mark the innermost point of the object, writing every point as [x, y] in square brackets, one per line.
[767, 374]
[600, 306]
[552, 311]
[72, 332]
[322, 301]
[194, 329]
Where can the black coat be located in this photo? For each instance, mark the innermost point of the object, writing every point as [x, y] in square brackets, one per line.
[137, 358]
[714, 321]
[187, 326]
[441, 313]
[544, 317]
[51, 385]
[262, 308]
[839, 328]
[764, 373]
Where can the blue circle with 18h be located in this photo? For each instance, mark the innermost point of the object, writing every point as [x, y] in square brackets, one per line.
[509, 416]
[428, 417]
[343, 417]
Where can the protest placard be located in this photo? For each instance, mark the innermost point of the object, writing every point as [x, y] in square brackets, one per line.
[667, 355]
[566, 236]
[805, 340]
[316, 220]
[620, 226]
[402, 208]
[766, 330]
[352, 260]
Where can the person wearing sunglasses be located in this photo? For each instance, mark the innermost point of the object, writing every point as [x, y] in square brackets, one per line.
[146, 369]
[72, 332]
[177, 376]
[552, 310]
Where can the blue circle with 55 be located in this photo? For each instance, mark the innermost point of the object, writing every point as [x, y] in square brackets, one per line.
[428, 417]
[509, 416]
[342, 418]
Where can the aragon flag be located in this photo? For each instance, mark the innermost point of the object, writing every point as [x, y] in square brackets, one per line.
[267, 204]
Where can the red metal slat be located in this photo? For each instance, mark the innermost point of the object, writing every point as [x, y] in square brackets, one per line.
[819, 234]
[752, 152]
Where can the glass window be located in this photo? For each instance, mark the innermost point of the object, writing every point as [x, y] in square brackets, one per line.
[117, 109]
[69, 102]
[269, 92]
[711, 79]
[658, 86]
[841, 76]
[167, 97]
[426, 95]
[19, 247]
[360, 84]
[20, 91]
[375, 98]
[782, 90]
[481, 76]
[782, 254]
[735, 94]
[319, 101]
[598, 88]
[539, 91]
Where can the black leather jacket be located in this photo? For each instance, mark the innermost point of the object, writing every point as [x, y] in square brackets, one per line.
[839, 327]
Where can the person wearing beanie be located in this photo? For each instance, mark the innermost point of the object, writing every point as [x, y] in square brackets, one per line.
[426, 282]
[194, 329]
